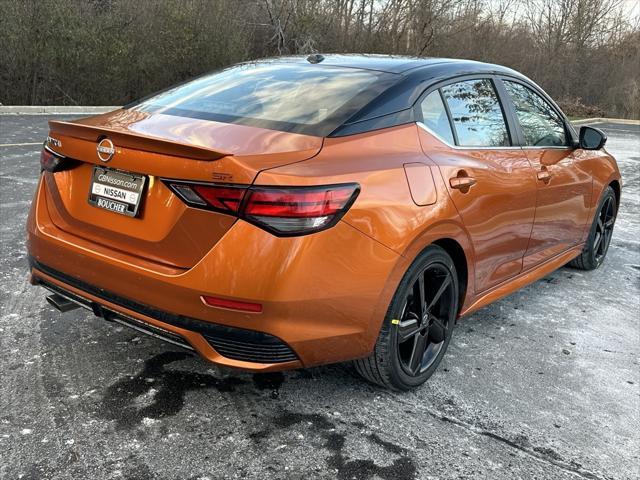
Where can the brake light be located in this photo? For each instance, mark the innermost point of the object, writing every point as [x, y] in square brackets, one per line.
[298, 210]
[292, 202]
[284, 211]
[53, 162]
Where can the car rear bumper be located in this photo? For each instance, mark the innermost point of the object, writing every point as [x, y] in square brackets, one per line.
[220, 345]
[320, 294]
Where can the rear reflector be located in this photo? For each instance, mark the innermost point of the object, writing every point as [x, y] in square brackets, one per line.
[232, 304]
[283, 211]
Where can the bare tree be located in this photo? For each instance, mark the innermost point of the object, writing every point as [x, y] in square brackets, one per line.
[585, 52]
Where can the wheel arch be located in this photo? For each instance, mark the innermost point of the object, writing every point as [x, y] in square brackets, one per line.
[454, 239]
[452, 236]
[457, 254]
[617, 189]
[605, 173]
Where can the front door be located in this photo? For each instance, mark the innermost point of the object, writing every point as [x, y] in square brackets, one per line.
[491, 182]
[563, 187]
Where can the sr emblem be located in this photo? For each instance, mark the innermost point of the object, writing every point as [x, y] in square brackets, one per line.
[105, 150]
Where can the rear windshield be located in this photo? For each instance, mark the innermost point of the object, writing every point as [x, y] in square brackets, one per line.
[307, 99]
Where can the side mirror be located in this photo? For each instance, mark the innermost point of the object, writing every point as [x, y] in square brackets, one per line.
[592, 138]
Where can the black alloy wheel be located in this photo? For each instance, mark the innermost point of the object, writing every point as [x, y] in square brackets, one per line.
[597, 244]
[424, 320]
[418, 326]
[604, 229]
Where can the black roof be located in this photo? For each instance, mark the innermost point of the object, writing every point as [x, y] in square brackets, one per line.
[382, 63]
[414, 74]
[393, 63]
[389, 101]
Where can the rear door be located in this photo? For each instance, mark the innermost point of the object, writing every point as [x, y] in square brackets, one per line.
[489, 179]
[563, 186]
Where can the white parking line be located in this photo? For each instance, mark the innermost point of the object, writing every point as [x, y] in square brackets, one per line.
[19, 144]
[15, 204]
[33, 181]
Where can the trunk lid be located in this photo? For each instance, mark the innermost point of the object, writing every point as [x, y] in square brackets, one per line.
[157, 146]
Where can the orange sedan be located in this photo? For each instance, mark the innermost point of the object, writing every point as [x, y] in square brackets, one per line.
[296, 211]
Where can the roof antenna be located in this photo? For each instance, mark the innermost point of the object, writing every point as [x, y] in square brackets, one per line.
[315, 58]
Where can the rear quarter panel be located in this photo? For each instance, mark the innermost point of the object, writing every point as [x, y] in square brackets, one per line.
[384, 209]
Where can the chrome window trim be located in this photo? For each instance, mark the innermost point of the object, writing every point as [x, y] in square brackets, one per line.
[572, 133]
[511, 147]
[551, 147]
[465, 147]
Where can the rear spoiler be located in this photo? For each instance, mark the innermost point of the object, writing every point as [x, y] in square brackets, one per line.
[134, 140]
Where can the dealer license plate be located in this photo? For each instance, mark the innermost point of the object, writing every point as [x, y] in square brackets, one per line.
[116, 191]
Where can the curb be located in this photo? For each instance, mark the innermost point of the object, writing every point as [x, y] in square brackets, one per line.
[64, 109]
[623, 121]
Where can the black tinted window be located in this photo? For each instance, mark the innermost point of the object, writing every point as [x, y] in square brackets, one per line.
[309, 99]
[476, 114]
[435, 118]
[541, 125]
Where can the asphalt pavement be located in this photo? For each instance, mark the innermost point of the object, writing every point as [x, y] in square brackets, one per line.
[543, 384]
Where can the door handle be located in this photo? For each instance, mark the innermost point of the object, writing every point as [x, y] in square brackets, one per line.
[544, 175]
[462, 183]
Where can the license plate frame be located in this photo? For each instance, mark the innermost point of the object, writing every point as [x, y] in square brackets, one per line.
[116, 191]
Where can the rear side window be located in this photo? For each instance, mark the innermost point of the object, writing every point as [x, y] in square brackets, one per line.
[476, 114]
[434, 116]
[309, 99]
[541, 125]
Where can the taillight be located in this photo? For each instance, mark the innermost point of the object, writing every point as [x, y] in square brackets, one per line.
[48, 161]
[284, 211]
[298, 210]
[52, 162]
[221, 198]
[225, 199]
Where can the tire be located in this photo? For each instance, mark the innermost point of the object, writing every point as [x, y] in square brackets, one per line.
[597, 244]
[394, 363]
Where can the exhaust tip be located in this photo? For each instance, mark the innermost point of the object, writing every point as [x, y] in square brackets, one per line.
[61, 304]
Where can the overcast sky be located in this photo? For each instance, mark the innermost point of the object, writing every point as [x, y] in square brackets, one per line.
[633, 6]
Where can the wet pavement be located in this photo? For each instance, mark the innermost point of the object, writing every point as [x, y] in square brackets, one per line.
[543, 384]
